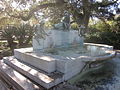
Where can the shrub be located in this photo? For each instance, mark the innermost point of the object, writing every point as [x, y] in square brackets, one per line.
[4, 50]
[74, 26]
[8, 34]
[23, 34]
[18, 36]
[108, 33]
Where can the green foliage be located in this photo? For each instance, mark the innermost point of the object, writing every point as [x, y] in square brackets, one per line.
[93, 38]
[18, 36]
[23, 34]
[108, 33]
[74, 26]
[81, 10]
[8, 33]
[101, 26]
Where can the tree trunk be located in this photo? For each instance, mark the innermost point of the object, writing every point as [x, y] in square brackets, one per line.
[11, 44]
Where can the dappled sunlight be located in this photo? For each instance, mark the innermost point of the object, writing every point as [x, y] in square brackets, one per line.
[17, 77]
[48, 58]
[53, 41]
[25, 67]
[45, 78]
[5, 67]
[33, 71]
[71, 58]
[21, 78]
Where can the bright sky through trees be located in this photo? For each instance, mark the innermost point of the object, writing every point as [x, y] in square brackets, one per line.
[81, 10]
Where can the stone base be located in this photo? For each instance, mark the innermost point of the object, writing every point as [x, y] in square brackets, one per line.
[49, 63]
[68, 65]
[37, 76]
[43, 62]
[56, 38]
[65, 64]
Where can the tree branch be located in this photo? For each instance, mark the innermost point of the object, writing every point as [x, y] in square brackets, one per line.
[38, 7]
[106, 4]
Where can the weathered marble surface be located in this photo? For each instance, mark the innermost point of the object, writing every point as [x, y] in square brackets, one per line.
[42, 54]
[66, 60]
[107, 79]
[17, 77]
[57, 38]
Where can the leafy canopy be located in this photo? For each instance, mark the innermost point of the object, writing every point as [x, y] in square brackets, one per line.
[81, 10]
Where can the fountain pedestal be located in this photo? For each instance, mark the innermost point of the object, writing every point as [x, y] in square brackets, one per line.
[46, 62]
[60, 52]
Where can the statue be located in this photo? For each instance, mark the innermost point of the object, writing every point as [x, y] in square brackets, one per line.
[65, 22]
[81, 30]
[39, 31]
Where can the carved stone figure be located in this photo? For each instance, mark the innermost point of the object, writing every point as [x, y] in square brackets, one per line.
[65, 22]
[39, 31]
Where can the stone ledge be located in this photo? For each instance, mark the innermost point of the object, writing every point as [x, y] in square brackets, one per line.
[25, 83]
[33, 75]
[99, 45]
[43, 62]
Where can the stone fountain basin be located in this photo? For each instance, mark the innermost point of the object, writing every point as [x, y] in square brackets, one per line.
[99, 52]
[69, 64]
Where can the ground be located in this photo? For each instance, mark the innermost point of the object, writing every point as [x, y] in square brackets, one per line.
[105, 78]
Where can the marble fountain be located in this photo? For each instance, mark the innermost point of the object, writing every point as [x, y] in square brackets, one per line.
[58, 57]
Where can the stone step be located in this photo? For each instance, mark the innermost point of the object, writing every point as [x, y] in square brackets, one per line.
[3, 86]
[10, 77]
[39, 78]
[16, 77]
[39, 60]
[9, 83]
